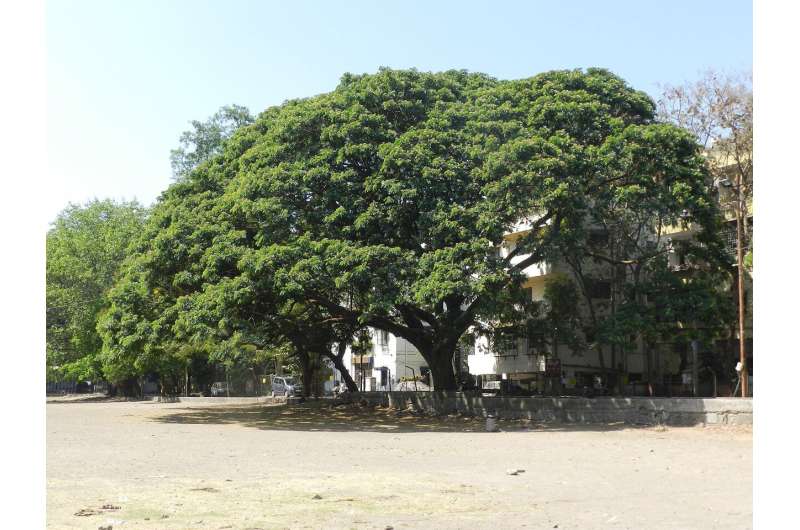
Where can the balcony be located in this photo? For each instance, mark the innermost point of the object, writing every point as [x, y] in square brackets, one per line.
[363, 362]
[541, 268]
[671, 230]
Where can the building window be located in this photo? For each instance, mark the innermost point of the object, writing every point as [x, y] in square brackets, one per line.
[728, 235]
[528, 293]
[729, 238]
[506, 343]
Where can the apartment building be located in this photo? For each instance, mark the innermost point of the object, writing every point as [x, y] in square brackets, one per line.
[529, 365]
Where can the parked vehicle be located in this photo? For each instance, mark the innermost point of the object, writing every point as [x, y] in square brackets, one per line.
[220, 388]
[490, 388]
[285, 386]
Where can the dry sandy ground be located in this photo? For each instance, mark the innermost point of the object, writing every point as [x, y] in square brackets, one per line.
[170, 466]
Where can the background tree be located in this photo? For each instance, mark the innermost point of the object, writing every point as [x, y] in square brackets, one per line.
[718, 109]
[85, 247]
[205, 139]
[685, 307]
[165, 269]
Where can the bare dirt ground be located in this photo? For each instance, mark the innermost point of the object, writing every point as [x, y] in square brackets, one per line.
[141, 465]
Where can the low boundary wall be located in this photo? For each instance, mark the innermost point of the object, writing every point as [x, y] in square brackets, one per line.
[631, 410]
[221, 400]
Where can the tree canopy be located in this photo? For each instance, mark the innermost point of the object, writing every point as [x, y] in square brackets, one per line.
[718, 110]
[85, 248]
[383, 202]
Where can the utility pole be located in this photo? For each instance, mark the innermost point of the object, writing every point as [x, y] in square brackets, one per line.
[740, 275]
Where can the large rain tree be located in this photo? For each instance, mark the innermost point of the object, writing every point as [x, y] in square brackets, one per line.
[383, 202]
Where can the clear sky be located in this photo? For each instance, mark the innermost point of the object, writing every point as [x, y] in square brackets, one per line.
[125, 77]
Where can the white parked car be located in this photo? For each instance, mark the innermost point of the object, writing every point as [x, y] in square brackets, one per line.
[285, 386]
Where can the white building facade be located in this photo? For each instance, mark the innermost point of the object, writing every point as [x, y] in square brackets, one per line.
[390, 360]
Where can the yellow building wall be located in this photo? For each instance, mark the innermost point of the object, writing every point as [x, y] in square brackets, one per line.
[536, 284]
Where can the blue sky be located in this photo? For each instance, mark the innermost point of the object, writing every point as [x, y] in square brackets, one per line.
[125, 78]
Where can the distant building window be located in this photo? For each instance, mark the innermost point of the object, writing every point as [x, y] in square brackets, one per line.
[506, 343]
[729, 238]
[528, 293]
[728, 235]
[383, 338]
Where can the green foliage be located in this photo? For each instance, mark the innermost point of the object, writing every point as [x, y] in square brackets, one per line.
[362, 343]
[696, 304]
[205, 139]
[748, 261]
[85, 247]
[657, 178]
[562, 315]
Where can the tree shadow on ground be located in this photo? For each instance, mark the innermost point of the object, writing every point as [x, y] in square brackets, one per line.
[320, 416]
[90, 398]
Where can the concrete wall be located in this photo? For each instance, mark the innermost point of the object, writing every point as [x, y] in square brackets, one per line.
[405, 354]
[634, 410]
[222, 400]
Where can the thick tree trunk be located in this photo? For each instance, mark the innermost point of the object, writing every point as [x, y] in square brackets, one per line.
[440, 362]
[338, 363]
[602, 361]
[308, 379]
[308, 373]
[126, 388]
